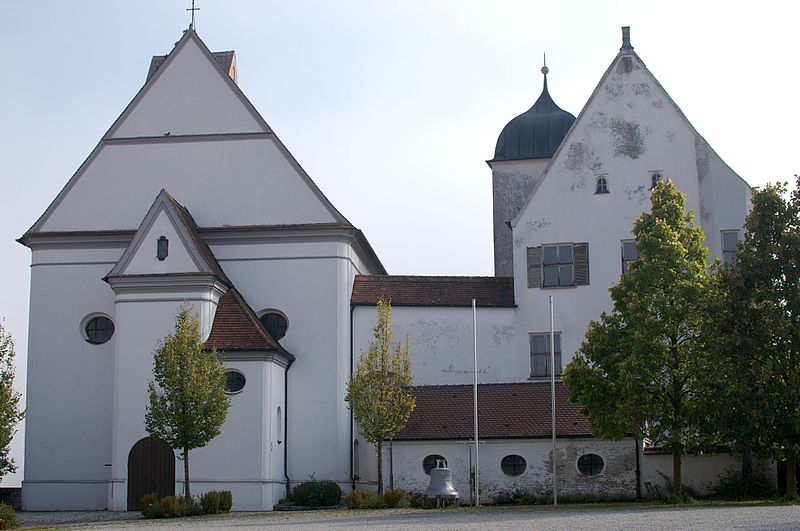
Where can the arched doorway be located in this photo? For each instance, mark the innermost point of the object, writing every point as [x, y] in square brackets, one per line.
[151, 468]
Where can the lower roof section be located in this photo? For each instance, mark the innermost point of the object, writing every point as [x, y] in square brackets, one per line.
[402, 290]
[505, 411]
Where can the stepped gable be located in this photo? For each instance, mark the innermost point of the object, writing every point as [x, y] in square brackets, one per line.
[401, 290]
[505, 411]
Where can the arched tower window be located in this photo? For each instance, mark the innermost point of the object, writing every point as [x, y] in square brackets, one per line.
[601, 185]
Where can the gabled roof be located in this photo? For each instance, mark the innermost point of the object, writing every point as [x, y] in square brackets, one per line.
[401, 290]
[236, 327]
[186, 228]
[505, 411]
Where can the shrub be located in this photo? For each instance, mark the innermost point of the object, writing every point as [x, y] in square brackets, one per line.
[758, 485]
[210, 502]
[679, 499]
[225, 501]
[354, 499]
[8, 518]
[169, 507]
[189, 507]
[372, 501]
[394, 498]
[148, 500]
[317, 493]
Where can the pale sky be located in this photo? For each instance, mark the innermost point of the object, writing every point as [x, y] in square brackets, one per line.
[391, 107]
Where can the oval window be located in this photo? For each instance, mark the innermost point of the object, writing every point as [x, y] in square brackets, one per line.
[275, 323]
[513, 465]
[590, 464]
[234, 382]
[98, 330]
[430, 462]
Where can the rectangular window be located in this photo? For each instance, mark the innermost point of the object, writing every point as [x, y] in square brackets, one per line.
[629, 254]
[540, 354]
[562, 264]
[729, 240]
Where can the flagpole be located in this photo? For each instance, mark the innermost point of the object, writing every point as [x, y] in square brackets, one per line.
[553, 400]
[475, 395]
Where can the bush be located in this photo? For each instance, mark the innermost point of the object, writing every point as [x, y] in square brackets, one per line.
[169, 507]
[225, 501]
[210, 502]
[317, 494]
[189, 507]
[148, 500]
[372, 501]
[8, 518]
[758, 485]
[396, 498]
[683, 499]
[354, 499]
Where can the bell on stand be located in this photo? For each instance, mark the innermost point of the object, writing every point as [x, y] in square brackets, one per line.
[441, 486]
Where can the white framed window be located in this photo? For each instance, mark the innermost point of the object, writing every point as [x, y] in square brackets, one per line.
[234, 382]
[540, 354]
[729, 240]
[655, 177]
[629, 254]
[275, 322]
[601, 185]
[97, 328]
[279, 425]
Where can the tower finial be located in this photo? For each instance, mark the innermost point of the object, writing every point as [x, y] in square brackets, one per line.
[545, 70]
[192, 9]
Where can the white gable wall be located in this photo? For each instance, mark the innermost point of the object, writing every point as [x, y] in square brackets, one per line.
[144, 260]
[188, 96]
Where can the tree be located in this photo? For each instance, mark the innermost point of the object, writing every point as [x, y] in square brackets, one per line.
[637, 369]
[378, 393]
[10, 412]
[754, 334]
[187, 405]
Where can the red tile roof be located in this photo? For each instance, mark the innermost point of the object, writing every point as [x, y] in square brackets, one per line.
[491, 292]
[508, 410]
[237, 328]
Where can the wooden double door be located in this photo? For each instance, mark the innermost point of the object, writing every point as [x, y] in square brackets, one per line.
[151, 468]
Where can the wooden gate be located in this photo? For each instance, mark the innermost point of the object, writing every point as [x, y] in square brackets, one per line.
[151, 468]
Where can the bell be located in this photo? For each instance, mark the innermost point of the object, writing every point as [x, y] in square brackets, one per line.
[441, 485]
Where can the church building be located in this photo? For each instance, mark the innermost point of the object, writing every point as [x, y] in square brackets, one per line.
[217, 213]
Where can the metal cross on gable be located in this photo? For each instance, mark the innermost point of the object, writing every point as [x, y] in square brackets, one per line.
[193, 9]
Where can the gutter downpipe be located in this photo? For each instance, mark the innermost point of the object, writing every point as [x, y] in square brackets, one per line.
[352, 472]
[286, 426]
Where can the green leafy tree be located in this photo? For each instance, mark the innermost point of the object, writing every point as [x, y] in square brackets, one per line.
[754, 334]
[10, 412]
[187, 405]
[378, 391]
[637, 369]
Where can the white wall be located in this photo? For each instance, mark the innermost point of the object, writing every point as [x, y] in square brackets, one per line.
[699, 472]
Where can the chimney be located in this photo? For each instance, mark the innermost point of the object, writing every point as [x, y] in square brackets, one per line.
[626, 38]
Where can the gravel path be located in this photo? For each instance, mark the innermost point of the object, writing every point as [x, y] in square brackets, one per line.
[706, 518]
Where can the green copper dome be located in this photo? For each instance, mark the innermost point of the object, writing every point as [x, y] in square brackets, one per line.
[536, 133]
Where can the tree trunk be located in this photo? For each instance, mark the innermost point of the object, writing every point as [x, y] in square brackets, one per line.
[187, 492]
[380, 468]
[791, 477]
[676, 473]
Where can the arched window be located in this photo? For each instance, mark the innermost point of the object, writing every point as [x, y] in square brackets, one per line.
[275, 323]
[601, 186]
[430, 462]
[590, 464]
[513, 465]
[279, 425]
[356, 460]
[654, 179]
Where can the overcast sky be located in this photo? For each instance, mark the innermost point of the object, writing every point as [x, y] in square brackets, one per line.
[391, 107]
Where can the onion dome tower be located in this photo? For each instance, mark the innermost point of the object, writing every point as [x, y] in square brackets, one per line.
[523, 149]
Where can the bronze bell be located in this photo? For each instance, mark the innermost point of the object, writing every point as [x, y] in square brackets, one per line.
[441, 485]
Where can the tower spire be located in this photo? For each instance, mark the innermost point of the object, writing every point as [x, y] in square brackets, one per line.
[545, 71]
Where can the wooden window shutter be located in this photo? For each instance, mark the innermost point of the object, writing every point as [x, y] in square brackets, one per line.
[581, 258]
[535, 267]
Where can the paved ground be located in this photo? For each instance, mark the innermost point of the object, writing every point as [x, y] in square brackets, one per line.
[705, 518]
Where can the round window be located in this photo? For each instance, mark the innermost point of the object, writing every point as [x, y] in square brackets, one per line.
[430, 462]
[275, 323]
[98, 330]
[234, 382]
[590, 464]
[513, 465]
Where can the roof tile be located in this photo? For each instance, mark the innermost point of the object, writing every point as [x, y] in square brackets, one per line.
[492, 292]
[237, 328]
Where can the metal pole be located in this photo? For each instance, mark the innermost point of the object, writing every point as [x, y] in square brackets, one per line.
[553, 400]
[475, 397]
